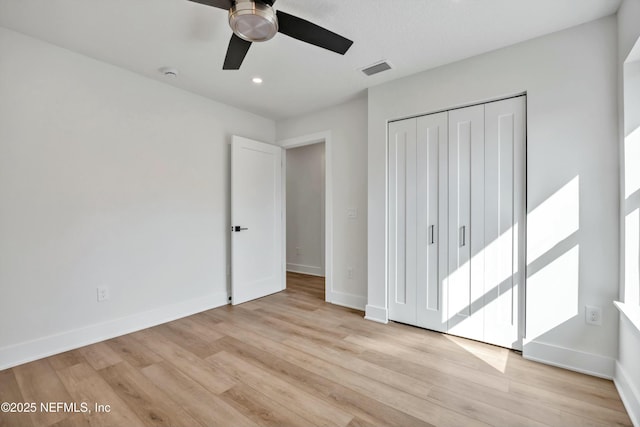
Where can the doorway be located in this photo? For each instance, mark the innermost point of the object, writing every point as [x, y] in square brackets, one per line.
[307, 214]
[305, 170]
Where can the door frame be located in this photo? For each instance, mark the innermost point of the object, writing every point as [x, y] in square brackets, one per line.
[301, 141]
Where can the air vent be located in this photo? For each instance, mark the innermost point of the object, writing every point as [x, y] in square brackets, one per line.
[376, 68]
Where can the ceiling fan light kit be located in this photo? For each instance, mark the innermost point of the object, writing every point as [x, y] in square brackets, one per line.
[257, 21]
[253, 21]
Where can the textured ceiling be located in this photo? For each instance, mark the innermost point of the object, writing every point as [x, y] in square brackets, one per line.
[413, 35]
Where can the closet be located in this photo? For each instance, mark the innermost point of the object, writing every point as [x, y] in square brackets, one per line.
[456, 198]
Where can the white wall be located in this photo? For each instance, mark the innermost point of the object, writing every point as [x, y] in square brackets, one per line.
[628, 28]
[627, 375]
[109, 179]
[570, 81]
[348, 126]
[305, 209]
[631, 96]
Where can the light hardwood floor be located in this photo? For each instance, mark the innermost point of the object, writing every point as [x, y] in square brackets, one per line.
[291, 359]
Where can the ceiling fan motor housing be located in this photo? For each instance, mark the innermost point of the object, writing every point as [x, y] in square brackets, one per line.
[253, 21]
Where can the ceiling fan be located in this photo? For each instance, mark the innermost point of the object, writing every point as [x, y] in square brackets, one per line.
[256, 21]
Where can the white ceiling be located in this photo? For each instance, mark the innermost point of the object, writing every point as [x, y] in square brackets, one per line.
[413, 35]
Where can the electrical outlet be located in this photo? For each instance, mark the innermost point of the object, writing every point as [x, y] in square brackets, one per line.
[352, 213]
[350, 272]
[593, 315]
[103, 293]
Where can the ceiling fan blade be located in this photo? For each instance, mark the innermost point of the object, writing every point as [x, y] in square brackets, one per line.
[220, 4]
[236, 52]
[309, 32]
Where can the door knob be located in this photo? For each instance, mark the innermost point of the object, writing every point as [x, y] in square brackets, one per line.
[237, 228]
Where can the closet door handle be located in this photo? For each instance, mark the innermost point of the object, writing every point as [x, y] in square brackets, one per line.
[432, 234]
[463, 235]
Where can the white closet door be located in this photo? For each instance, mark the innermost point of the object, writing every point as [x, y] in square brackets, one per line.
[465, 287]
[431, 156]
[456, 221]
[504, 190]
[402, 221]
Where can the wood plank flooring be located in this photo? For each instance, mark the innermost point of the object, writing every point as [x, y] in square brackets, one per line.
[290, 359]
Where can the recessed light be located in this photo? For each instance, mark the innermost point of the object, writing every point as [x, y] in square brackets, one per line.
[257, 80]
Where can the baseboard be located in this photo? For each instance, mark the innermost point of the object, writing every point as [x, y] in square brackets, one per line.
[17, 354]
[574, 360]
[376, 314]
[629, 394]
[357, 302]
[305, 269]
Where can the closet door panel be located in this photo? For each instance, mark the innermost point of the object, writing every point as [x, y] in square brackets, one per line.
[431, 220]
[504, 147]
[464, 286]
[402, 221]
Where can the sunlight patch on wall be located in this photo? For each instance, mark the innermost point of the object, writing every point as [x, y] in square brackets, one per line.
[632, 163]
[554, 220]
[552, 294]
[632, 258]
[553, 260]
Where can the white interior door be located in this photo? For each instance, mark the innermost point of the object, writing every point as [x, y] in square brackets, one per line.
[417, 221]
[466, 238]
[257, 263]
[504, 213]
[402, 221]
[431, 244]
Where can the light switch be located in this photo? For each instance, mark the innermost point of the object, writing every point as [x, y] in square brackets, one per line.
[352, 213]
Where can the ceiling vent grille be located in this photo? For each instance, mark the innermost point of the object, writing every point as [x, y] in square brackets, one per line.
[376, 68]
